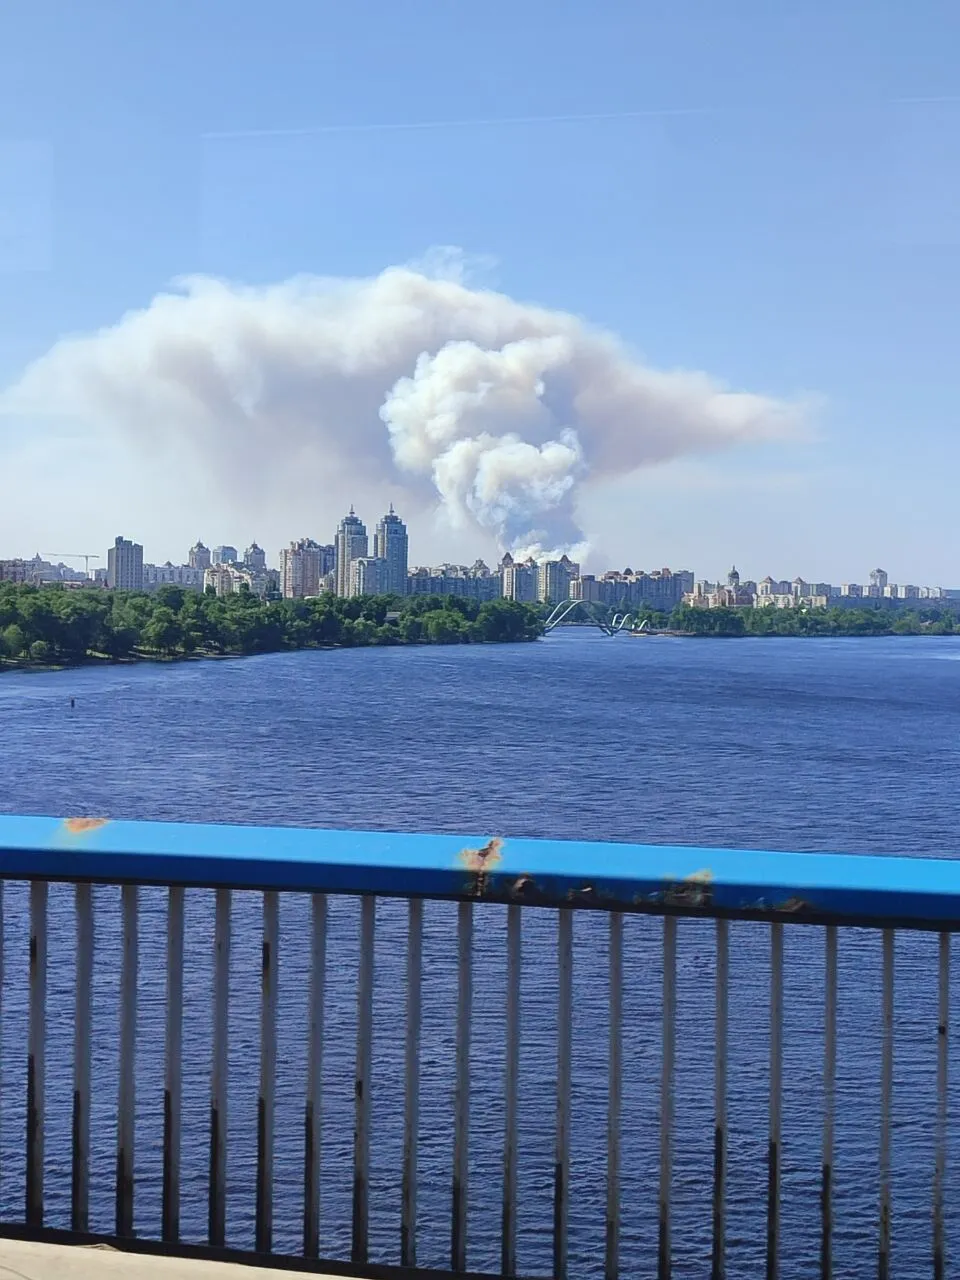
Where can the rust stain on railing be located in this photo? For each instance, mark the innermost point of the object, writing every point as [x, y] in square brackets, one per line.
[690, 894]
[694, 890]
[479, 863]
[83, 826]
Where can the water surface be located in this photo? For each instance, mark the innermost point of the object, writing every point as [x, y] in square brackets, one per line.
[846, 745]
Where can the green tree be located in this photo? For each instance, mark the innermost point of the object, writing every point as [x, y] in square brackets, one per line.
[443, 626]
[326, 626]
[14, 640]
[55, 624]
[411, 629]
[81, 624]
[505, 620]
[908, 625]
[164, 631]
[171, 596]
[39, 620]
[364, 631]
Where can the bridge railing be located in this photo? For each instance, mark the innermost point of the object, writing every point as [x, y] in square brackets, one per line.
[588, 890]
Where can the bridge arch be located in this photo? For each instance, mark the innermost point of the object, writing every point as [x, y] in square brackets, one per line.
[564, 614]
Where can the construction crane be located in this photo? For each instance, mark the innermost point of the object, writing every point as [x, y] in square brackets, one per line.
[73, 555]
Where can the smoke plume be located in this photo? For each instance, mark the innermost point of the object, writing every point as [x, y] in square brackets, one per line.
[497, 409]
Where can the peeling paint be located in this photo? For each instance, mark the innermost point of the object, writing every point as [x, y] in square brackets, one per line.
[480, 862]
[694, 890]
[82, 826]
[587, 895]
[793, 905]
[524, 888]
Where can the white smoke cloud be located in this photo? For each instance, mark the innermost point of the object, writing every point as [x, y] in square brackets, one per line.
[499, 410]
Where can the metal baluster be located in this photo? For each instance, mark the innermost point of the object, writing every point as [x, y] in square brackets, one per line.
[664, 1253]
[411, 1107]
[940, 1173]
[126, 1096]
[611, 1265]
[461, 1116]
[829, 1103]
[172, 1068]
[886, 1105]
[217, 1209]
[718, 1269]
[268, 1072]
[364, 1069]
[561, 1181]
[776, 1099]
[36, 1047]
[311, 1162]
[508, 1237]
[83, 1012]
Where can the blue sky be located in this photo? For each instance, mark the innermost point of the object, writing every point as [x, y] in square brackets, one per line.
[768, 193]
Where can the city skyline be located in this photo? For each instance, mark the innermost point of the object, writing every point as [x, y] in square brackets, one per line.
[201, 556]
[345, 567]
[702, 303]
[426, 537]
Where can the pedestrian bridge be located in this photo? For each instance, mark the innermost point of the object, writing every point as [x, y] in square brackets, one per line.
[571, 613]
[673, 1152]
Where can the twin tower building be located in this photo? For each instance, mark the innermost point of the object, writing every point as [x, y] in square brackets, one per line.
[347, 567]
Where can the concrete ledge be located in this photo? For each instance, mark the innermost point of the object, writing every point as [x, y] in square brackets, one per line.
[24, 1260]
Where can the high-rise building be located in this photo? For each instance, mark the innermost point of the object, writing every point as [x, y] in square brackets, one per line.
[125, 566]
[878, 578]
[178, 575]
[368, 576]
[351, 544]
[390, 545]
[199, 556]
[473, 582]
[664, 588]
[225, 555]
[255, 558]
[13, 571]
[231, 579]
[518, 579]
[585, 588]
[221, 578]
[554, 578]
[300, 569]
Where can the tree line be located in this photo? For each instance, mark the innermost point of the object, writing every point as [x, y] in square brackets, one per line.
[802, 621]
[43, 626]
[938, 619]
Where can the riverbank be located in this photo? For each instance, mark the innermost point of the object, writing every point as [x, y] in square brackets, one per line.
[48, 628]
[26, 665]
[938, 619]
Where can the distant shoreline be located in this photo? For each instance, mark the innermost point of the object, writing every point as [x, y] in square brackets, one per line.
[791, 635]
[52, 629]
[26, 666]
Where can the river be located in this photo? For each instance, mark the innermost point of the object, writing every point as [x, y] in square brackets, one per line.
[799, 744]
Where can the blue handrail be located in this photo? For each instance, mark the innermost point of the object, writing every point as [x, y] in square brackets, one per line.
[840, 888]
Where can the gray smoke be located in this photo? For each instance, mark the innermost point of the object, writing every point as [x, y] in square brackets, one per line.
[499, 409]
